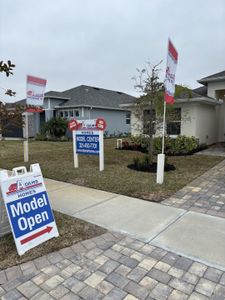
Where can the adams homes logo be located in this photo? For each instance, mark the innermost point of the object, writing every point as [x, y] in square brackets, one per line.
[34, 95]
[20, 186]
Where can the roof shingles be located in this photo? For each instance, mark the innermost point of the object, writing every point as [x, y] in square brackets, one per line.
[92, 96]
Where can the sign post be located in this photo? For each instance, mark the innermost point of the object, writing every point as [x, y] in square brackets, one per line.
[101, 151]
[88, 138]
[172, 58]
[28, 208]
[26, 135]
[35, 96]
[75, 155]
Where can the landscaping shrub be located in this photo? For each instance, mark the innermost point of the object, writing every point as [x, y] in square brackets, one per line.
[117, 133]
[40, 137]
[141, 141]
[182, 145]
[56, 127]
[141, 163]
[168, 144]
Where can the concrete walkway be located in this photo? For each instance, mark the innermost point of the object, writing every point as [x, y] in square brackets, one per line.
[141, 219]
[194, 235]
[214, 150]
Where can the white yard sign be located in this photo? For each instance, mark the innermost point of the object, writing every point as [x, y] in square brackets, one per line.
[28, 208]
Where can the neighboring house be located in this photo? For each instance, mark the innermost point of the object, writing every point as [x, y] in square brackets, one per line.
[200, 113]
[84, 102]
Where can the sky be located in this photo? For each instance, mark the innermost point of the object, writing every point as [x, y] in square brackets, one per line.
[102, 42]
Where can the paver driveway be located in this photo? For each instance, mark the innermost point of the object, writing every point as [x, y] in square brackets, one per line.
[206, 194]
[112, 266]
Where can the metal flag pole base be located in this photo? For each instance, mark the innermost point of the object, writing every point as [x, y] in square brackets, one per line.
[161, 157]
[160, 168]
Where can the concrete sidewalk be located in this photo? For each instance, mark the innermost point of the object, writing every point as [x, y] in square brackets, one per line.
[193, 235]
[112, 211]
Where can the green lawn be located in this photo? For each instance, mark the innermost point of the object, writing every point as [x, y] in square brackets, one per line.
[56, 161]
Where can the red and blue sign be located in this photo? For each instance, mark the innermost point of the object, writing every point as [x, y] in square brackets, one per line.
[88, 138]
[28, 208]
[87, 142]
[29, 214]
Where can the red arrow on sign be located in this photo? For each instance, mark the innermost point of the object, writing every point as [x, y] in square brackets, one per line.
[37, 234]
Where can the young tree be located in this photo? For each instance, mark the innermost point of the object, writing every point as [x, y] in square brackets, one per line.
[150, 103]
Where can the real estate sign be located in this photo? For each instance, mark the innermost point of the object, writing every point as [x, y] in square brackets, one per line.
[171, 66]
[28, 208]
[88, 138]
[87, 142]
[35, 90]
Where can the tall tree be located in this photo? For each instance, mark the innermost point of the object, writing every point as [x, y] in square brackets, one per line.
[9, 114]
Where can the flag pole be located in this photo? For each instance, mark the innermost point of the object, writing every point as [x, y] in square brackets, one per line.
[169, 98]
[164, 127]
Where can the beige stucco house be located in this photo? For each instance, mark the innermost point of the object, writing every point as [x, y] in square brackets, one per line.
[201, 112]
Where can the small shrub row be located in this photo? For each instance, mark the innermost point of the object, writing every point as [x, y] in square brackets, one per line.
[182, 145]
[43, 137]
[116, 133]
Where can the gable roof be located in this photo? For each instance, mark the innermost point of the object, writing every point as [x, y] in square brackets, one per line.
[54, 94]
[214, 77]
[85, 95]
[90, 96]
[195, 93]
[202, 90]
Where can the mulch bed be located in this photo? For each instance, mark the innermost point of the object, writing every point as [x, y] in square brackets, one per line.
[71, 231]
[151, 168]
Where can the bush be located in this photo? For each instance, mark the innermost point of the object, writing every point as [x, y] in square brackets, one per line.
[182, 145]
[168, 142]
[141, 163]
[56, 127]
[40, 137]
[142, 141]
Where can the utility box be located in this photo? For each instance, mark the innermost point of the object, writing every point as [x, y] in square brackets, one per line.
[4, 221]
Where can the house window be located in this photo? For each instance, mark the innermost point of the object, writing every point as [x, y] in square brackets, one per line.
[146, 123]
[69, 113]
[174, 126]
[77, 113]
[128, 115]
